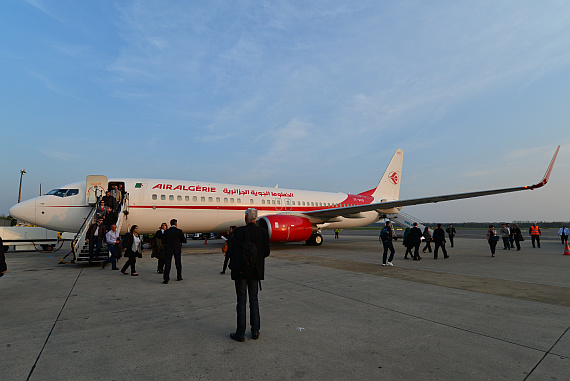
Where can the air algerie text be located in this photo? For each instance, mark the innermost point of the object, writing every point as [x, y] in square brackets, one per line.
[191, 188]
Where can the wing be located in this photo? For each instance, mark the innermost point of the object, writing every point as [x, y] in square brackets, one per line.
[382, 207]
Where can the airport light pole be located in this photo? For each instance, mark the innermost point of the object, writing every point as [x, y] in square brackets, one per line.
[22, 171]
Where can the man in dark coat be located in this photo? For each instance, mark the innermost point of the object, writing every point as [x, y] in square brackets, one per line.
[415, 238]
[94, 237]
[172, 241]
[3, 267]
[248, 285]
[451, 232]
[439, 241]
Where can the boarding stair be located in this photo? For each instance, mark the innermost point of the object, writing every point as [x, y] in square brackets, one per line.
[406, 220]
[80, 248]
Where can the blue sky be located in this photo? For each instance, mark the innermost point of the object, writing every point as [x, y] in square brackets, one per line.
[310, 95]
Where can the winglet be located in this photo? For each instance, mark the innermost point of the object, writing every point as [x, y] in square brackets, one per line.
[547, 174]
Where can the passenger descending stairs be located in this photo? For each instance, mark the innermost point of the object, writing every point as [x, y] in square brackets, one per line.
[80, 248]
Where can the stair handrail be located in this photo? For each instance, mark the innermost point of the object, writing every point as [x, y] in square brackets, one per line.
[79, 239]
[123, 211]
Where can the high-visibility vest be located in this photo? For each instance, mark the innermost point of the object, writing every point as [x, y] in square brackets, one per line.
[534, 230]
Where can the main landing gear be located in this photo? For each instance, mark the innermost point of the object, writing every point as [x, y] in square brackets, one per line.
[315, 240]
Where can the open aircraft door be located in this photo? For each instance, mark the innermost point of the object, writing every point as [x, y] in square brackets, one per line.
[95, 187]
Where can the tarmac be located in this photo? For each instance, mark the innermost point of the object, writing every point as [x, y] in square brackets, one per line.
[329, 312]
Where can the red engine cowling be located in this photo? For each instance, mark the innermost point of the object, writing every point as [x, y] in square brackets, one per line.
[286, 228]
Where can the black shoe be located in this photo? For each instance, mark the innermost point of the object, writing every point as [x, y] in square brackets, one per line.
[255, 335]
[222, 272]
[124, 272]
[179, 279]
[416, 259]
[134, 274]
[164, 282]
[235, 337]
[446, 257]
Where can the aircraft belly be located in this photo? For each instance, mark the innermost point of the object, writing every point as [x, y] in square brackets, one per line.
[365, 219]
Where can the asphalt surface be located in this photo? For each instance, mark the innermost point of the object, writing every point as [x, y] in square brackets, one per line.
[328, 312]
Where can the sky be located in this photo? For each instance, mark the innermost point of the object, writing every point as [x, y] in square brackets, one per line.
[308, 95]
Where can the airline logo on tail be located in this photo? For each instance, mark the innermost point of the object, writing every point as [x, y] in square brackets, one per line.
[394, 178]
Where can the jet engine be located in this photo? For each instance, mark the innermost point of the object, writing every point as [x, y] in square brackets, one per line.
[286, 228]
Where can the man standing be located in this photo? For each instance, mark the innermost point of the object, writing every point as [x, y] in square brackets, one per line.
[451, 232]
[534, 232]
[386, 235]
[248, 284]
[439, 241]
[173, 240]
[505, 233]
[415, 238]
[3, 267]
[110, 218]
[95, 235]
[117, 195]
[563, 233]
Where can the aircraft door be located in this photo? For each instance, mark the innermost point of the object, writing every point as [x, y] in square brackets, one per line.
[95, 187]
[288, 205]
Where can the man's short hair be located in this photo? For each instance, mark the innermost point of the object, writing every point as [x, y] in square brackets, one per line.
[415, 224]
[173, 222]
[388, 223]
[251, 214]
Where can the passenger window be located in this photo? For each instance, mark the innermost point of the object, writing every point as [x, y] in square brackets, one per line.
[203, 199]
[217, 199]
[162, 197]
[251, 200]
[232, 200]
[186, 198]
[210, 199]
[194, 198]
[179, 198]
[312, 204]
[239, 200]
[303, 203]
[278, 202]
[273, 202]
[171, 198]
[263, 202]
[154, 197]
[225, 199]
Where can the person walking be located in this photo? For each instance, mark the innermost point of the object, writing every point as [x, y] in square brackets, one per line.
[94, 237]
[563, 233]
[336, 231]
[386, 236]
[505, 233]
[113, 240]
[535, 233]
[133, 250]
[415, 238]
[173, 240]
[158, 247]
[439, 241]
[247, 284]
[427, 237]
[451, 233]
[492, 238]
[517, 236]
[407, 244]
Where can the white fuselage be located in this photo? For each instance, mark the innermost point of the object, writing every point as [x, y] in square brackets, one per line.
[198, 207]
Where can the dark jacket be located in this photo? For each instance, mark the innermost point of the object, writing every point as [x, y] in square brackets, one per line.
[158, 245]
[451, 231]
[110, 201]
[173, 238]
[3, 266]
[439, 236]
[415, 235]
[110, 218]
[129, 246]
[100, 234]
[260, 238]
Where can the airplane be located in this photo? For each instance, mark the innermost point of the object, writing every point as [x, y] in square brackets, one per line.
[289, 215]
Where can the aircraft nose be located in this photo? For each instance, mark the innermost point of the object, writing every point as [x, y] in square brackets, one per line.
[25, 211]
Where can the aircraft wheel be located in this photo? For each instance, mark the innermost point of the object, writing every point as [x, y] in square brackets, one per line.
[317, 239]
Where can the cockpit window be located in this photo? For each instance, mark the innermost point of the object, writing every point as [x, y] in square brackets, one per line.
[63, 192]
